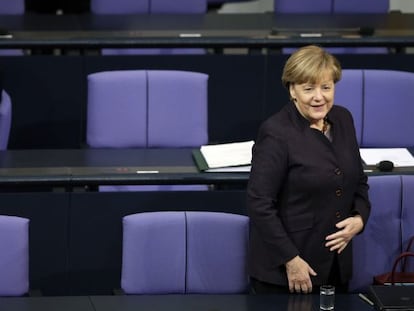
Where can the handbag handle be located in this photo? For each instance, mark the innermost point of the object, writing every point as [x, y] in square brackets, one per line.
[404, 256]
[408, 249]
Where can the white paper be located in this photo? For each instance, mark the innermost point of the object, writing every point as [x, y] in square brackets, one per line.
[230, 154]
[399, 156]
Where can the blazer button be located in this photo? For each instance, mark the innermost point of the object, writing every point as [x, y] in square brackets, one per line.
[337, 171]
[338, 215]
[338, 192]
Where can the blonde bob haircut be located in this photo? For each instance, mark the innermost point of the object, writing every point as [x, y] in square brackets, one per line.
[309, 64]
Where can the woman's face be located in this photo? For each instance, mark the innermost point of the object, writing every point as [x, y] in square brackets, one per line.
[314, 100]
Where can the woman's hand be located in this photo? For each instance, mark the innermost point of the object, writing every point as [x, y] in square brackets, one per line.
[349, 227]
[298, 274]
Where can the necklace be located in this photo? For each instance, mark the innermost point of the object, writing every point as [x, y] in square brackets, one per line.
[325, 126]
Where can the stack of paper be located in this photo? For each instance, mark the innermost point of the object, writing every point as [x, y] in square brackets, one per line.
[399, 156]
[229, 157]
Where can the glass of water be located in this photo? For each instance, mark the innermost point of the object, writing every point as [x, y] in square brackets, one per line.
[327, 297]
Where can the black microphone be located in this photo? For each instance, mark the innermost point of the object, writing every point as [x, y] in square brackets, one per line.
[385, 166]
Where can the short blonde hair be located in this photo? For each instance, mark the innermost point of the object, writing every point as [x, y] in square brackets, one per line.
[309, 64]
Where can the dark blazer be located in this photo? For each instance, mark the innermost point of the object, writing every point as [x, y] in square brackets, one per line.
[301, 184]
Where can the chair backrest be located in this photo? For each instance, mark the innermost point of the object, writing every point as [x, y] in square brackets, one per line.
[147, 108]
[375, 249]
[331, 6]
[12, 7]
[5, 119]
[184, 252]
[388, 108]
[14, 256]
[349, 93]
[380, 101]
[148, 6]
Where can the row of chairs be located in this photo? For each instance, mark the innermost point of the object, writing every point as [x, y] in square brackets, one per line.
[188, 252]
[146, 108]
[200, 6]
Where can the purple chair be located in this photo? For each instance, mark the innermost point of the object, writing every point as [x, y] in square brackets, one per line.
[388, 108]
[154, 253]
[216, 253]
[335, 7]
[5, 120]
[14, 256]
[184, 252]
[145, 108]
[375, 249]
[12, 7]
[150, 7]
[349, 93]
[407, 215]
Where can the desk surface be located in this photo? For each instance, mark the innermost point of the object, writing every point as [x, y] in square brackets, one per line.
[206, 30]
[181, 303]
[46, 304]
[78, 167]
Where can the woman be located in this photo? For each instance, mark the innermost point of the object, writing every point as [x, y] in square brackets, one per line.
[307, 195]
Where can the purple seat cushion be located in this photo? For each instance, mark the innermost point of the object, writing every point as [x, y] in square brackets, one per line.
[349, 94]
[358, 6]
[5, 120]
[216, 252]
[303, 6]
[177, 113]
[178, 6]
[117, 109]
[14, 256]
[120, 6]
[154, 250]
[12, 7]
[376, 248]
[388, 99]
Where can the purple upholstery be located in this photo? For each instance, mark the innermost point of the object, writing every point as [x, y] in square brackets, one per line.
[14, 256]
[331, 6]
[407, 215]
[145, 108]
[348, 93]
[154, 251]
[361, 6]
[303, 6]
[376, 248]
[178, 6]
[177, 109]
[12, 7]
[5, 120]
[388, 109]
[184, 252]
[117, 109]
[120, 6]
[216, 253]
